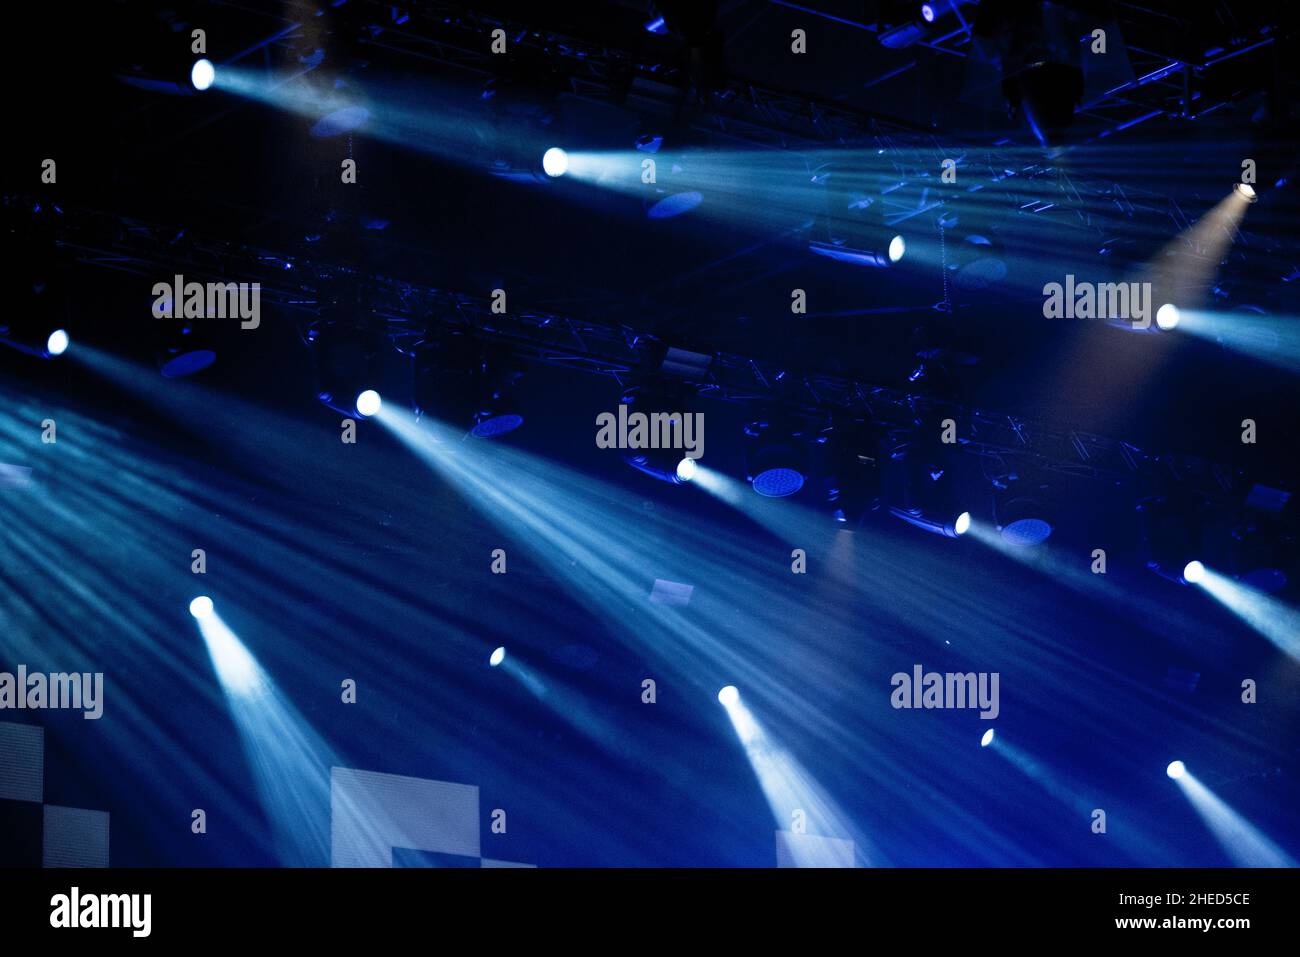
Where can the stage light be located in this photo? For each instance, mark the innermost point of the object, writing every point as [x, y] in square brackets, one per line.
[201, 607]
[686, 469]
[555, 162]
[962, 525]
[776, 461]
[658, 26]
[1176, 769]
[369, 403]
[57, 343]
[1193, 572]
[927, 12]
[897, 247]
[498, 656]
[778, 483]
[1020, 509]
[1246, 192]
[202, 74]
[987, 739]
[493, 425]
[728, 696]
[1167, 316]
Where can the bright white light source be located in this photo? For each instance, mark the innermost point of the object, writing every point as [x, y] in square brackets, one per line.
[201, 607]
[1246, 192]
[498, 656]
[1176, 769]
[927, 13]
[897, 247]
[368, 403]
[987, 739]
[1167, 316]
[202, 74]
[729, 695]
[1193, 572]
[57, 343]
[962, 525]
[555, 162]
[686, 469]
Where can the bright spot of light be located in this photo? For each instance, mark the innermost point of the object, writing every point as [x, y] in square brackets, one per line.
[201, 607]
[1176, 769]
[368, 403]
[686, 469]
[728, 696]
[927, 13]
[897, 247]
[202, 74]
[498, 656]
[962, 525]
[987, 739]
[57, 343]
[555, 162]
[1246, 192]
[1167, 316]
[1193, 572]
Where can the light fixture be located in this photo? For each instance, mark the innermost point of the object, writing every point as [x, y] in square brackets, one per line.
[203, 74]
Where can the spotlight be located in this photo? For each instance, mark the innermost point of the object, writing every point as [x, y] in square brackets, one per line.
[1022, 516]
[1176, 769]
[368, 403]
[728, 696]
[468, 383]
[498, 656]
[987, 739]
[344, 356]
[1167, 316]
[1193, 572]
[927, 12]
[1246, 192]
[776, 464]
[962, 525]
[202, 74]
[897, 247]
[686, 469]
[201, 607]
[57, 343]
[555, 162]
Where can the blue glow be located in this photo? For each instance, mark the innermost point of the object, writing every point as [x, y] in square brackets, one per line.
[778, 483]
[57, 343]
[497, 425]
[203, 74]
[675, 205]
[657, 25]
[555, 162]
[1026, 531]
[188, 363]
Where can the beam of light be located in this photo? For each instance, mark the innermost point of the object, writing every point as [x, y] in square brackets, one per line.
[1276, 621]
[1271, 339]
[1245, 844]
[788, 788]
[289, 761]
[1184, 270]
[1052, 782]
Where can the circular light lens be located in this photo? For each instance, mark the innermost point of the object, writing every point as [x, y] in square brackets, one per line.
[555, 162]
[57, 343]
[202, 74]
[987, 739]
[497, 425]
[897, 247]
[729, 695]
[927, 13]
[498, 656]
[778, 483]
[686, 470]
[1176, 769]
[1026, 531]
[1167, 316]
[201, 607]
[1246, 192]
[368, 403]
[962, 525]
[1193, 572]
